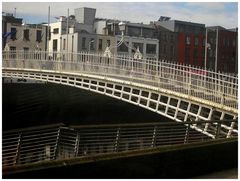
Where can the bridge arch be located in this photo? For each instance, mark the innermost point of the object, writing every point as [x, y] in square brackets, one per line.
[170, 104]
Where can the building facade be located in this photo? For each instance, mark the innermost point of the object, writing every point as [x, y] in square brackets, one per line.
[167, 43]
[136, 36]
[19, 36]
[224, 56]
[188, 41]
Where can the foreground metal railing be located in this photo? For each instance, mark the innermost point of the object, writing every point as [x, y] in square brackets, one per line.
[212, 86]
[57, 142]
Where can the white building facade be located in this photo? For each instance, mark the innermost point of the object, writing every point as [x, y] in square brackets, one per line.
[19, 36]
[86, 33]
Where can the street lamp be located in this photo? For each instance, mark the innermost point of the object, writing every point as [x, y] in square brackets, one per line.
[89, 45]
[122, 27]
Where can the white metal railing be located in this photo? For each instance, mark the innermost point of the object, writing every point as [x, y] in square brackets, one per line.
[217, 87]
[58, 142]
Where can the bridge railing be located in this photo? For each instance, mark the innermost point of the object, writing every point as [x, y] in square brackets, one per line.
[56, 142]
[217, 87]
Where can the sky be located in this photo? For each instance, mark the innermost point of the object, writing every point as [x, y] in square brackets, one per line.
[209, 13]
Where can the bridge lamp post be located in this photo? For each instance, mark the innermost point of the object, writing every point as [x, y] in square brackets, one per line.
[122, 27]
[89, 45]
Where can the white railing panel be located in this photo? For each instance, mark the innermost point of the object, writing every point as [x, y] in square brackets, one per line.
[208, 85]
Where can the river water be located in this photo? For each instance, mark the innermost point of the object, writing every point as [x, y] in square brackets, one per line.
[37, 104]
[26, 105]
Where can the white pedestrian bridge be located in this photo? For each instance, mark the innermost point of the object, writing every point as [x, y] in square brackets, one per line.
[180, 92]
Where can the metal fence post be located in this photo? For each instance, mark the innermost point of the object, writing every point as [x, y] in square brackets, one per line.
[153, 144]
[57, 144]
[76, 149]
[187, 133]
[18, 149]
[117, 140]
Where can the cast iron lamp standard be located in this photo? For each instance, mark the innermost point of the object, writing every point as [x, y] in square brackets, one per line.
[89, 45]
[137, 54]
[107, 52]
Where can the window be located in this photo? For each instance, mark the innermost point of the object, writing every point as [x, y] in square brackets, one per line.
[13, 52]
[83, 42]
[195, 53]
[171, 38]
[211, 53]
[151, 49]
[26, 34]
[196, 41]
[224, 42]
[188, 40]
[12, 48]
[13, 33]
[211, 40]
[108, 43]
[164, 48]
[100, 44]
[64, 44]
[165, 36]
[147, 33]
[223, 57]
[39, 36]
[133, 31]
[234, 43]
[25, 51]
[228, 42]
[55, 31]
[172, 50]
[203, 42]
[55, 45]
[187, 56]
[64, 30]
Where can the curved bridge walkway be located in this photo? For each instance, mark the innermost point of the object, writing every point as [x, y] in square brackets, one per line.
[179, 92]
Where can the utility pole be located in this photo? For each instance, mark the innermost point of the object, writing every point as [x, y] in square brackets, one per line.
[216, 56]
[15, 12]
[205, 61]
[236, 58]
[67, 27]
[48, 32]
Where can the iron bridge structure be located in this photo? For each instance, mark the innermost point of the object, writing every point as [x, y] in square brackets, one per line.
[203, 101]
[176, 91]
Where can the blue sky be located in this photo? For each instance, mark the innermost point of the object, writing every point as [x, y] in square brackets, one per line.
[210, 13]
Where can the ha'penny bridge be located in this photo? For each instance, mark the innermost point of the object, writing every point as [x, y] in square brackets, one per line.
[202, 104]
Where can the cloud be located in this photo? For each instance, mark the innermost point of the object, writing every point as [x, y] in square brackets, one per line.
[207, 5]
[209, 13]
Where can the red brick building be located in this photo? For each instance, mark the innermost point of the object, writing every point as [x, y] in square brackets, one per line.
[189, 42]
[191, 48]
